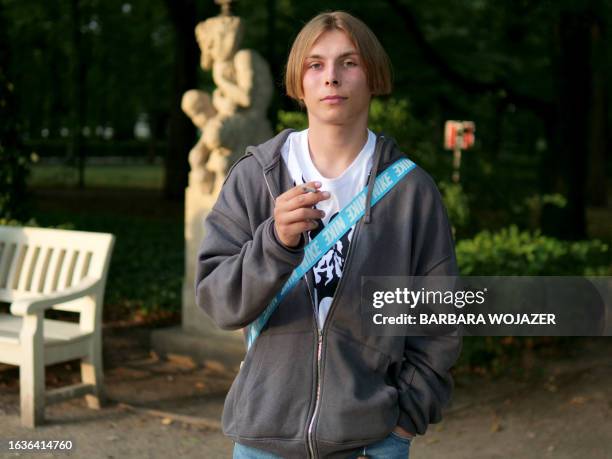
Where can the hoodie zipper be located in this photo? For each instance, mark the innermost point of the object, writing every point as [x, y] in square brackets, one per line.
[318, 374]
[323, 334]
[319, 340]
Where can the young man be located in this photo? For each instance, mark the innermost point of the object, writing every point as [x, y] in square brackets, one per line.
[312, 385]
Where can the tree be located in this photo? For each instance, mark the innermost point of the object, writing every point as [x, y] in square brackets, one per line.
[565, 111]
[13, 160]
[126, 52]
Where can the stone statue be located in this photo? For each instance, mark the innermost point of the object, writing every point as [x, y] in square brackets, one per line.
[235, 115]
[230, 118]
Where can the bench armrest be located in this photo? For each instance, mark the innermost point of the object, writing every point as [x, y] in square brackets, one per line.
[25, 306]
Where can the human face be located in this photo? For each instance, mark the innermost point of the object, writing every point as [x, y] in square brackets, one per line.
[334, 81]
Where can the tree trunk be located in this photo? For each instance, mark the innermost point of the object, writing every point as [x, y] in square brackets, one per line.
[79, 95]
[597, 191]
[181, 136]
[14, 162]
[574, 78]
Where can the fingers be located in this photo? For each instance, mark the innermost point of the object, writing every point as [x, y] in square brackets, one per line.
[294, 212]
[295, 199]
[300, 214]
[299, 227]
[297, 190]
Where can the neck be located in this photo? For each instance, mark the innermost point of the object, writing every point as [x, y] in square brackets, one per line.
[334, 147]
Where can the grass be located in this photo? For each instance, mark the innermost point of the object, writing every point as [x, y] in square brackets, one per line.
[137, 176]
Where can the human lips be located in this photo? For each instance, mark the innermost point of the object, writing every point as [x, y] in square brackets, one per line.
[335, 99]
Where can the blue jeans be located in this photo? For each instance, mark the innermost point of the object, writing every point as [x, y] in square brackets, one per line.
[392, 447]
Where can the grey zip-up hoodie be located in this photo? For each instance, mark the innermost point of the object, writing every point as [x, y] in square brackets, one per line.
[305, 393]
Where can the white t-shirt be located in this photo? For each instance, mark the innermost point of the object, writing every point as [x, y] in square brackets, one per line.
[296, 154]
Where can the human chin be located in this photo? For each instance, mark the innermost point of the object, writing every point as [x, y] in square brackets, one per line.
[332, 116]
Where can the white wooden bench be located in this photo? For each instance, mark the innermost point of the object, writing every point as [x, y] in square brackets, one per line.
[42, 269]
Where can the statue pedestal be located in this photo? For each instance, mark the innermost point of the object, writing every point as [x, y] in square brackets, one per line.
[198, 337]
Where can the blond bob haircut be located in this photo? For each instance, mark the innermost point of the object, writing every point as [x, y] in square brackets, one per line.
[375, 59]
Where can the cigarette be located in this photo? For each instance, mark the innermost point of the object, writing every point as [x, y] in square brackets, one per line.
[308, 189]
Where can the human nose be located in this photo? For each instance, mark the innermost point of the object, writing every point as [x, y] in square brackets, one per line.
[332, 76]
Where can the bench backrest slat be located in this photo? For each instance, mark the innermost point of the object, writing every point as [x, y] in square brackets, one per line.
[35, 261]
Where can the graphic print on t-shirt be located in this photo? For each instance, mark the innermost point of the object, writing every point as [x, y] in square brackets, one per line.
[328, 271]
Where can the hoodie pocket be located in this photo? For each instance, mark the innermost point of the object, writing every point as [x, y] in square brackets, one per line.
[248, 372]
[273, 397]
[357, 404]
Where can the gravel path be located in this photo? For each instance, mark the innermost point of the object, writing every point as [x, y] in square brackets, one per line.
[564, 412]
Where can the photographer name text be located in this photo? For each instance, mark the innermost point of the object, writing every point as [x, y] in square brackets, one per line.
[465, 319]
[457, 298]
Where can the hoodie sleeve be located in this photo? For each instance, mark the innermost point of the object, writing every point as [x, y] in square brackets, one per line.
[425, 383]
[241, 265]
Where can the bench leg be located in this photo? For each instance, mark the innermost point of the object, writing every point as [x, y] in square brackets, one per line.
[32, 389]
[92, 373]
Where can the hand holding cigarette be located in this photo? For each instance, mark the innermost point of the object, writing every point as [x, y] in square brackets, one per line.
[294, 213]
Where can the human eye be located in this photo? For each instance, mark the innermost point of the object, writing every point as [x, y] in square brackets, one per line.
[350, 63]
[314, 65]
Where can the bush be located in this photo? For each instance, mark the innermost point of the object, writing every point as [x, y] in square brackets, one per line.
[293, 120]
[34, 223]
[527, 213]
[457, 205]
[512, 356]
[145, 276]
[513, 252]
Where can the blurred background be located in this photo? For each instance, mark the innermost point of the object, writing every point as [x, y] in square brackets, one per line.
[92, 136]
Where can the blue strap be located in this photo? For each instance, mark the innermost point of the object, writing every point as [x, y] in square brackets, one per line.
[326, 239]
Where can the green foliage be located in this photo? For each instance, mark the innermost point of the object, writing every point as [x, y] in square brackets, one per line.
[394, 117]
[390, 115]
[456, 203]
[496, 356]
[13, 222]
[146, 271]
[291, 120]
[143, 176]
[34, 223]
[126, 54]
[513, 252]
[491, 354]
[528, 213]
